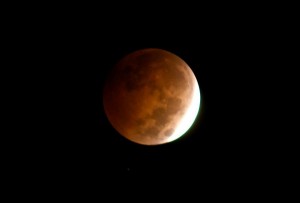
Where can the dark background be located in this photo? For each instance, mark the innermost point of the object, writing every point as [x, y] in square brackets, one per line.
[69, 141]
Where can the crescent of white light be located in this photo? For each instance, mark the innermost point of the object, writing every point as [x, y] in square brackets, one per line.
[189, 117]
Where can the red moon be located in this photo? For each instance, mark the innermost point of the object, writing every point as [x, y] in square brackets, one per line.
[151, 97]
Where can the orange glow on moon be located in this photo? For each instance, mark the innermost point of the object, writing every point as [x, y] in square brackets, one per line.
[151, 97]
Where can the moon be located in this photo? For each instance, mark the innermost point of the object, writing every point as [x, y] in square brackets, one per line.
[151, 97]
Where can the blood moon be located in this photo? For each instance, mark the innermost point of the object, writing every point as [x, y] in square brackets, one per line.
[151, 97]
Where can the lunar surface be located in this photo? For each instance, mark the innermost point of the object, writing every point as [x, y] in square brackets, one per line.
[151, 97]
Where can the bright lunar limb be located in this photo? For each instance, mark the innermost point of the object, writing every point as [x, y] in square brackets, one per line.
[189, 117]
[151, 97]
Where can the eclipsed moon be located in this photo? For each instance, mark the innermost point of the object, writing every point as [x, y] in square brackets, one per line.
[151, 97]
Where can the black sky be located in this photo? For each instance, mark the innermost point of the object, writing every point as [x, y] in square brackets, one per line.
[221, 137]
[73, 143]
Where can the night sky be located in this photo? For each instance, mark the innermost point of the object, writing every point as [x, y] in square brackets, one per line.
[73, 142]
[218, 145]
